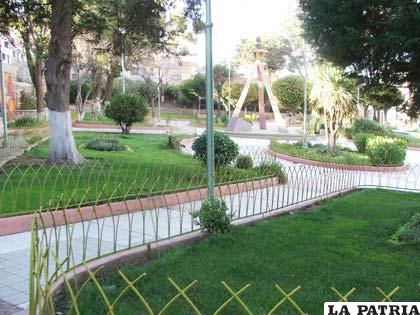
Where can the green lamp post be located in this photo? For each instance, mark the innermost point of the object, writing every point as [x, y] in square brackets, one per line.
[209, 101]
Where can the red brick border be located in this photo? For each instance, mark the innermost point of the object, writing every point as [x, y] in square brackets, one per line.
[297, 160]
[106, 126]
[22, 223]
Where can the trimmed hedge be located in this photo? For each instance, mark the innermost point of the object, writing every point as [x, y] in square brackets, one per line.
[105, 144]
[244, 162]
[360, 141]
[386, 151]
[369, 127]
[225, 150]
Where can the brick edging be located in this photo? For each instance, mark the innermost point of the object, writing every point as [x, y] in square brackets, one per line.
[22, 223]
[297, 160]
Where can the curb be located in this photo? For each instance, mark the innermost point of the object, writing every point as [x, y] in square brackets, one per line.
[348, 167]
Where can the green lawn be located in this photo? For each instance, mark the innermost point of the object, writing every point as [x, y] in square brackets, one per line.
[342, 243]
[148, 169]
[319, 153]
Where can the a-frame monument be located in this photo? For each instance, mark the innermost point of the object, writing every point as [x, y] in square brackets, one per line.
[263, 81]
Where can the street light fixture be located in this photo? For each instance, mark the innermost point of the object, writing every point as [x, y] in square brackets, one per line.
[209, 101]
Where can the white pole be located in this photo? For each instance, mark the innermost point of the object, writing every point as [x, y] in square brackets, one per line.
[230, 92]
[3, 102]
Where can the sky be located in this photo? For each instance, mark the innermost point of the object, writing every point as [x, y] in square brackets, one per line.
[237, 19]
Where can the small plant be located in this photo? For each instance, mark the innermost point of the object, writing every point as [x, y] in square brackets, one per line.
[250, 118]
[271, 168]
[105, 144]
[244, 162]
[360, 141]
[409, 232]
[25, 122]
[224, 120]
[213, 217]
[127, 109]
[174, 143]
[225, 150]
[386, 151]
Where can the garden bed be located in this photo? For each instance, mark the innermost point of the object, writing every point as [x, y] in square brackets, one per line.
[345, 159]
[353, 251]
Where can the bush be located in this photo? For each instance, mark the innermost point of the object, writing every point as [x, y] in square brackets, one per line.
[225, 150]
[171, 93]
[34, 139]
[360, 141]
[410, 232]
[224, 120]
[250, 118]
[25, 122]
[369, 127]
[290, 92]
[271, 168]
[244, 162]
[105, 144]
[386, 151]
[213, 217]
[174, 143]
[127, 109]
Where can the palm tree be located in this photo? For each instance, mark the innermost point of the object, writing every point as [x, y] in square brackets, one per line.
[332, 97]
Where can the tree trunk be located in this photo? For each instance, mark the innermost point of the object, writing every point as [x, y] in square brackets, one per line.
[63, 148]
[109, 85]
[36, 70]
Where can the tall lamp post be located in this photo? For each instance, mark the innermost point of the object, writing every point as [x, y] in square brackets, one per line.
[305, 101]
[3, 102]
[209, 101]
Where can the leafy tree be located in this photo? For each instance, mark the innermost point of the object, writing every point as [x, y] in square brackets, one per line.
[31, 19]
[70, 17]
[379, 40]
[127, 109]
[290, 92]
[332, 97]
[193, 91]
[383, 97]
[236, 90]
[221, 77]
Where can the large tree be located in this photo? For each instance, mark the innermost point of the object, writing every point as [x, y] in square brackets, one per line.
[31, 18]
[70, 17]
[383, 97]
[290, 91]
[378, 40]
[332, 97]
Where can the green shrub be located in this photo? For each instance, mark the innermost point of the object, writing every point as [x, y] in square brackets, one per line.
[386, 151]
[360, 141]
[174, 142]
[224, 120]
[127, 109]
[25, 122]
[171, 93]
[369, 127]
[225, 150]
[105, 144]
[410, 232]
[213, 217]
[244, 162]
[271, 168]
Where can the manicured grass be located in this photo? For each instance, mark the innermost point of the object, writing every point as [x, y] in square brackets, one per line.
[343, 243]
[149, 168]
[319, 153]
